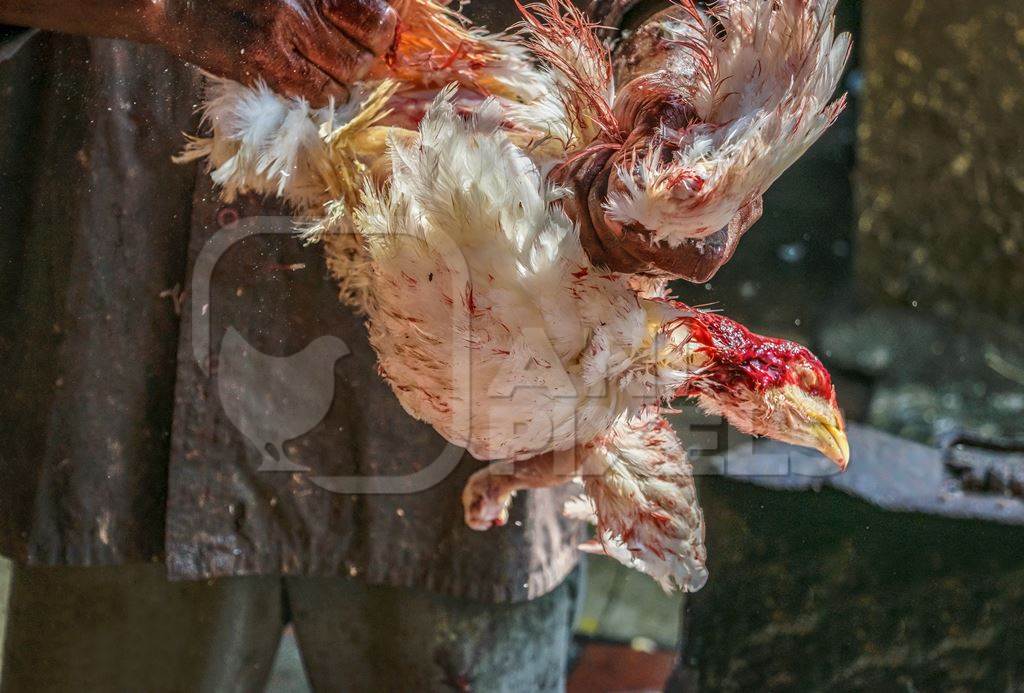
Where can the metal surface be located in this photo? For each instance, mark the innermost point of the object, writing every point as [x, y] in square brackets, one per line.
[886, 471]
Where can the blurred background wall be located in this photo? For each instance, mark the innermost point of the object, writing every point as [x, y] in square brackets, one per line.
[940, 174]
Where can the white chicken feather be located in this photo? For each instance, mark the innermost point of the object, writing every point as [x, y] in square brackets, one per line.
[544, 349]
[759, 77]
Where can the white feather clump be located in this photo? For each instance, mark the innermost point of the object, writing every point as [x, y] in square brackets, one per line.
[267, 144]
[491, 324]
[487, 317]
[574, 81]
[644, 502]
[759, 84]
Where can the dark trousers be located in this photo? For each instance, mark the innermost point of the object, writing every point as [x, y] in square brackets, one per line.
[127, 628]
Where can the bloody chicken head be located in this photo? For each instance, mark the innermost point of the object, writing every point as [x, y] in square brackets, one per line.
[766, 387]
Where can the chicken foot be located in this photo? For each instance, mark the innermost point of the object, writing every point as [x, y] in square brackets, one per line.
[489, 492]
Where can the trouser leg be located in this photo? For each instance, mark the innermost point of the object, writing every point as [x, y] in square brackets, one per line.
[355, 637]
[127, 628]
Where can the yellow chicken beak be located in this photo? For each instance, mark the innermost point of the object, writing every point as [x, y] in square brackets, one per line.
[831, 442]
[817, 424]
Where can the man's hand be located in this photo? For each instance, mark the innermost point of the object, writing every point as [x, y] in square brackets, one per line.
[309, 48]
[629, 248]
[646, 104]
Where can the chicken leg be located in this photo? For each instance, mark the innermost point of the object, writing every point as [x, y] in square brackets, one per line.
[489, 492]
